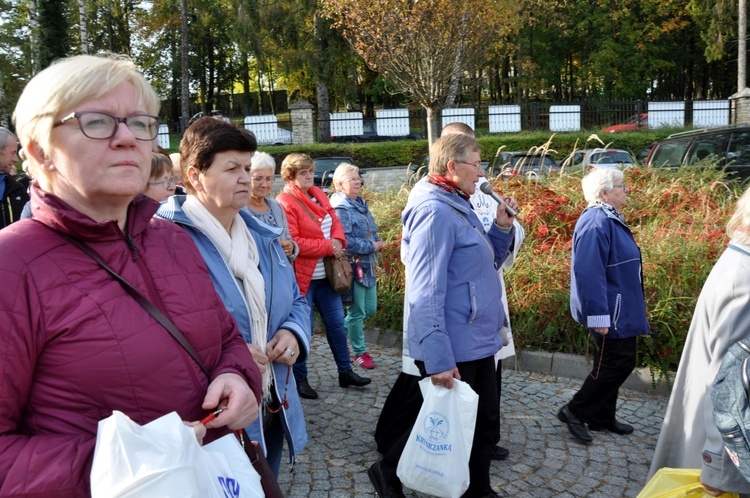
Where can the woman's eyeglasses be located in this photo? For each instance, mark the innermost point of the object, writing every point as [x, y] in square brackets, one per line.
[171, 181]
[101, 126]
[478, 165]
[260, 180]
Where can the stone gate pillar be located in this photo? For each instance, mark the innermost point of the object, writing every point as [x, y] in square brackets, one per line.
[303, 131]
[741, 106]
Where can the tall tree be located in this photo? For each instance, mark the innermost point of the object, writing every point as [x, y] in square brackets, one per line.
[323, 76]
[213, 52]
[157, 52]
[742, 46]
[304, 50]
[83, 26]
[109, 24]
[184, 65]
[53, 30]
[15, 56]
[717, 20]
[424, 46]
[36, 57]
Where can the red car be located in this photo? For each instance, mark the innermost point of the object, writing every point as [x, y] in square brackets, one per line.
[632, 125]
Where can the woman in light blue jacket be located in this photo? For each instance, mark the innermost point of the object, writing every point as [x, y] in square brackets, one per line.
[454, 298]
[250, 271]
[362, 245]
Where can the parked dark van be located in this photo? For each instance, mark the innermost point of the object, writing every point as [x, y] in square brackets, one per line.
[729, 145]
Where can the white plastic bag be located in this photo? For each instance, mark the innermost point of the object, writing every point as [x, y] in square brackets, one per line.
[163, 459]
[436, 457]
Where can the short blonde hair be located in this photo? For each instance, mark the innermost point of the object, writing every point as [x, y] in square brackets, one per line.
[294, 163]
[598, 180]
[342, 170]
[66, 84]
[263, 160]
[739, 224]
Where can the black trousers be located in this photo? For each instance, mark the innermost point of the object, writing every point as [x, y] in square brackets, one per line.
[614, 361]
[481, 376]
[499, 380]
[399, 412]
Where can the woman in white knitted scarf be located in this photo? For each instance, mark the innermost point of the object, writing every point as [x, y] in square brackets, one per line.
[250, 271]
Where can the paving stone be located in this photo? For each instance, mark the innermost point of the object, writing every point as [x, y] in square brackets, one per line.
[545, 461]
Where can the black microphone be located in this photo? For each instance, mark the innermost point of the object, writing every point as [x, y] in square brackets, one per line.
[486, 188]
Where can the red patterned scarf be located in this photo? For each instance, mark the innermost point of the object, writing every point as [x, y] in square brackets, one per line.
[447, 185]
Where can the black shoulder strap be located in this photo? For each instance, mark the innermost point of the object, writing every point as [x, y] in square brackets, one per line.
[147, 305]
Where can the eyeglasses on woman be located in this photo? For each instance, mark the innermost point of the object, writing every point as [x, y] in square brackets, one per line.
[102, 126]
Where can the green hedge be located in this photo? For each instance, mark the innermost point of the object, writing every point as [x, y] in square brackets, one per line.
[403, 152]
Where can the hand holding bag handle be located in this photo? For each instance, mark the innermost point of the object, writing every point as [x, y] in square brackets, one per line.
[252, 450]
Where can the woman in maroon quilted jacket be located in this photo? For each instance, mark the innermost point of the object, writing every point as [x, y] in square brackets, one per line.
[75, 345]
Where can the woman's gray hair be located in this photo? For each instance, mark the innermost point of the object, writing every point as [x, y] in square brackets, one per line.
[341, 170]
[263, 160]
[598, 180]
[739, 224]
[452, 147]
[4, 134]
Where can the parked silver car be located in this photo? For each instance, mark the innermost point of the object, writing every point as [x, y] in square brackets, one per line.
[574, 159]
[607, 158]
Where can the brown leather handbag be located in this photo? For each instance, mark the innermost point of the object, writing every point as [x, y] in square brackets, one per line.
[339, 273]
[253, 451]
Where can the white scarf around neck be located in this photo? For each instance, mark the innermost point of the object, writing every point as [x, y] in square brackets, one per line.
[241, 256]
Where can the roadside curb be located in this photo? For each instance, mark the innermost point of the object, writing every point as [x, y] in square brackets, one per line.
[577, 367]
[559, 364]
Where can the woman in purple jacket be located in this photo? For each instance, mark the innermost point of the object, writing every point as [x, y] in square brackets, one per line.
[75, 345]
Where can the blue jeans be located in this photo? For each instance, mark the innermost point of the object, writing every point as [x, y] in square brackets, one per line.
[328, 304]
[365, 303]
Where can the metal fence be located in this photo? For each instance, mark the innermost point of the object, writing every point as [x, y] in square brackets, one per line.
[550, 116]
[504, 118]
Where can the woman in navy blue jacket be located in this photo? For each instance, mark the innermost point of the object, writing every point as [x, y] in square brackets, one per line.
[606, 295]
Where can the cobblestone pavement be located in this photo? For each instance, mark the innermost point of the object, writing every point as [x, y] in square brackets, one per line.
[545, 461]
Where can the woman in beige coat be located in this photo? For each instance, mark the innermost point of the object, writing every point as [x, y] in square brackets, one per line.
[689, 438]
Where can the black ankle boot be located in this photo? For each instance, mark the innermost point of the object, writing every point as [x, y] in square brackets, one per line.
[305, 391]
[349, 378]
